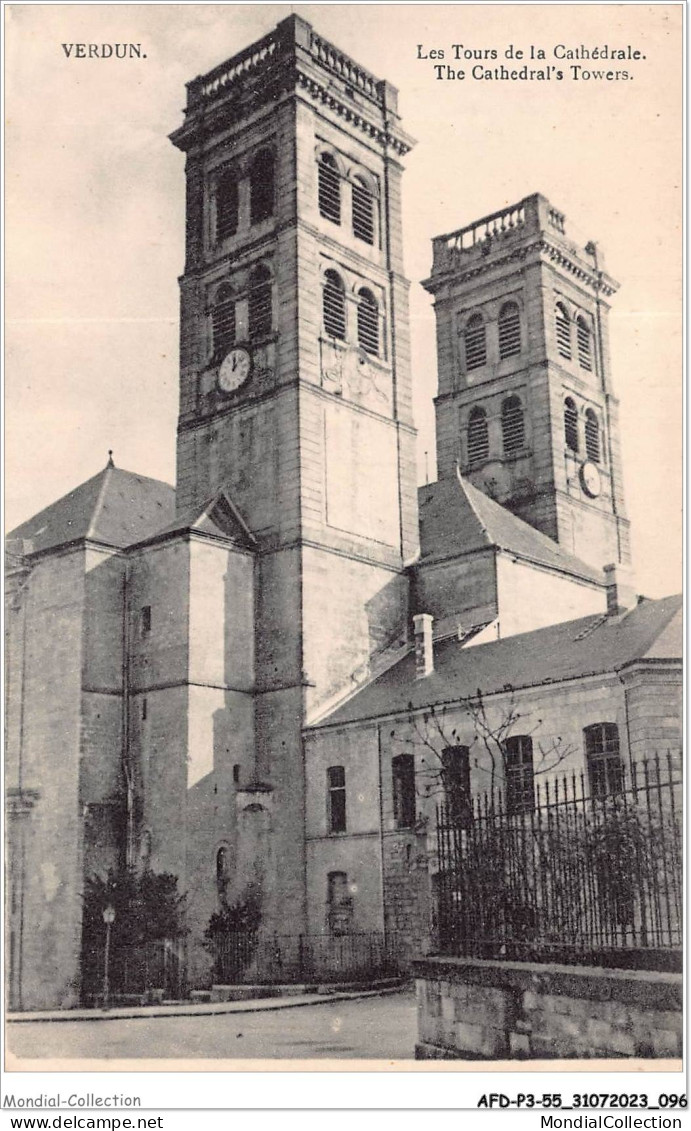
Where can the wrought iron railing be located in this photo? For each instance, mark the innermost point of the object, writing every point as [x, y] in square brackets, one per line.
[581, 876]
[144, 972]
[259, 958]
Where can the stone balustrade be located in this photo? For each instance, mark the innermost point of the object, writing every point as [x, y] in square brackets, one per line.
[217, 81]
[279, 43]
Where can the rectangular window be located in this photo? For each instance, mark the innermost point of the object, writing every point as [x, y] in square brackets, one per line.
[605, 767]
[403, 775]
[145, 708]
[145, 620]
[520, 786]
[455, 774]
[336, 799]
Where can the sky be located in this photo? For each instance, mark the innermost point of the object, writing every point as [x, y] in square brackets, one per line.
[95, 215]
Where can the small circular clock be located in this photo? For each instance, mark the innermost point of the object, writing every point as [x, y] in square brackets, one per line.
[234, 370]
[590, 478]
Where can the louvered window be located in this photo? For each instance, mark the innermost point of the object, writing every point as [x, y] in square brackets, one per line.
[363, 212]
[259, 303]
[329, 189]
[570, 425]
[478, 436]
[563, 325]
[262, 187]
[509, 330]
[226, 206]
[223, 320]
[592, 436]
[334, 306]
[583, 340]
[518, 765]
[475, 343]
[368, 322]
[605, 768]
[512, 426]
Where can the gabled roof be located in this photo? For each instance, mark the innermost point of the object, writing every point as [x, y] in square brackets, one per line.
[218, 517]
[588, 646]
[115, 507]
[456, 518]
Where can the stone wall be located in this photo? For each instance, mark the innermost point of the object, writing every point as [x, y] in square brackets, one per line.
[472, 1009]
[45, 652]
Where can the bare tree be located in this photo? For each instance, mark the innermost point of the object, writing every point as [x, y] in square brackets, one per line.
[430, 734]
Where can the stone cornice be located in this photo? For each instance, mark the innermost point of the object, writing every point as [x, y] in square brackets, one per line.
[400, 142]
[557, 254]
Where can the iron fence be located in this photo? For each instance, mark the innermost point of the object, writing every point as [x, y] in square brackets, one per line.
[255, 957]
[144, 972]
[581, 876]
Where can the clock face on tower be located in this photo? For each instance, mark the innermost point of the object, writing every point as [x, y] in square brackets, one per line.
[590, 478]
[234, 370]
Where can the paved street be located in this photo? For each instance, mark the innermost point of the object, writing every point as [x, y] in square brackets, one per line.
[381, 1028]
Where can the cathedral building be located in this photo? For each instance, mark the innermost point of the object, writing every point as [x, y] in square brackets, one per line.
[221, 680]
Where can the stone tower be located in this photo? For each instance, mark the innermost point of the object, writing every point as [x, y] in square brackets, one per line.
[295, 396]
[525, 402]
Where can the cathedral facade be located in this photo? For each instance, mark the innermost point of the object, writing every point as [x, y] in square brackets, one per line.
[220, 680]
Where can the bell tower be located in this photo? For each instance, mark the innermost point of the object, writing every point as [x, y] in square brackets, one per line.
[525, 403]
[295, 392]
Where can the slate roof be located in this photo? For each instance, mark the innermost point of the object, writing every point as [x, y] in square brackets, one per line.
[115, 507]
[218, 517]
[456, 518]
[591, 645]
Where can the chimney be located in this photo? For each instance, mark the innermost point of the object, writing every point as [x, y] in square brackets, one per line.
[621, 594]
[424, 649]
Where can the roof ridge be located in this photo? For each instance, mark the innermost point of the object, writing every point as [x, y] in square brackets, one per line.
[463, 484]
[524, 528]
[100, 503]
[668, 620]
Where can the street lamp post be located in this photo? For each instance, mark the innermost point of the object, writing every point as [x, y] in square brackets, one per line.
[108, 919]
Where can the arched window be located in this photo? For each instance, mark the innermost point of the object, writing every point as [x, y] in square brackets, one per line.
[223, 319]
[583, 342]
[337, 890]
[226, 206]
[563, 326]
[367, 321]
[333, 300]
[329, 189]
[336, 799]
[259, 303]
[512, 425]
[262, 187]
[475, 342]
[222, 870]
[509, 330]
[571, 425]
[339, 903]
[605, 767]
[592, 436]
[403, 782]
[518, 767]
[363, 211]
[478, 436]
